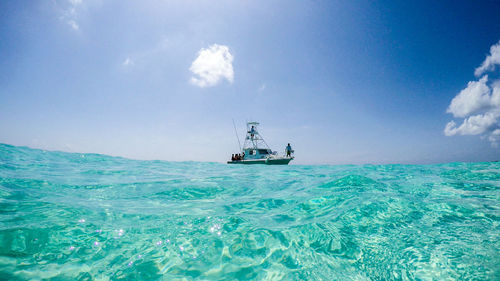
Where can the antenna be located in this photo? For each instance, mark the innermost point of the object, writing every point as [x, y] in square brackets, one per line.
[236, 132]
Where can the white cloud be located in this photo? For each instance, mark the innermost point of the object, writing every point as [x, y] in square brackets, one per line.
[478, 104]
[211, 66]
[69, 12]
[73, 24]
[128, 62]
[471, 99]
[262, 87]
[494, 137]
[495, 96]
[473, 125]
[491, 60]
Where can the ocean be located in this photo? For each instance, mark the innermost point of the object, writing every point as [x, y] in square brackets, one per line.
[74, 216]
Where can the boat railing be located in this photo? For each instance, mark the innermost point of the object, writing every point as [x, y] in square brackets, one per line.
[275, 155]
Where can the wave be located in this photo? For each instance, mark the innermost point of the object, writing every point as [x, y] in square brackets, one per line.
[89, 216]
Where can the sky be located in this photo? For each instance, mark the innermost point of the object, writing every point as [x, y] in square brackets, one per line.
[345, 82]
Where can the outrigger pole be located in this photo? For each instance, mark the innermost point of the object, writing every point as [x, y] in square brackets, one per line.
[236, 132]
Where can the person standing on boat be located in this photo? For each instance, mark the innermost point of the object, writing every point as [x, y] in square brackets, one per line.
[252, 132]
[288, 150]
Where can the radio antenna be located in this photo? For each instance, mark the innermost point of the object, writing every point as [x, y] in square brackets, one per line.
[236, 132]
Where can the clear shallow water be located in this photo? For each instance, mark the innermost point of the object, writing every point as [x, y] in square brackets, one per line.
[69, 216]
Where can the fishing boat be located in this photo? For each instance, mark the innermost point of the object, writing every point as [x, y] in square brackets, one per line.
[256, 151]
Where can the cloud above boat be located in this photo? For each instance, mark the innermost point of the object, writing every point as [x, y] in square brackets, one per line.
[478, 104]
[211, 66]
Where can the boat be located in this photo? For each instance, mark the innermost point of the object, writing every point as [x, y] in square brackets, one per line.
[256, 151]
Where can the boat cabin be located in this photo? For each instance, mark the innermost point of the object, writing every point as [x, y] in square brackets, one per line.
[257, 153]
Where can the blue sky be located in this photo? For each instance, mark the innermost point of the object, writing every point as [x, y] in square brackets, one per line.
[342, 81]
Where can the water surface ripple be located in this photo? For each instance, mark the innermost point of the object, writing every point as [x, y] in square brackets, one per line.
[70, 216]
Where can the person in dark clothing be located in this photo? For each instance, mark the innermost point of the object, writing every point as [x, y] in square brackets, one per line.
[288, 150]
[252, 132]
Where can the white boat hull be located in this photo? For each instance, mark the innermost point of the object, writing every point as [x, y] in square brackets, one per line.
[267, 161]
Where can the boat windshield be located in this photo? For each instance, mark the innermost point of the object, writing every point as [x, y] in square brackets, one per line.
[263, 151]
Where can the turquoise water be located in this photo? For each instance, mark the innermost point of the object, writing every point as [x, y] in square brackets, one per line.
[70, 216]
